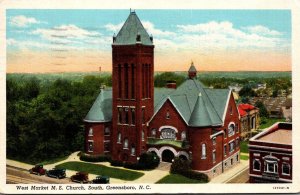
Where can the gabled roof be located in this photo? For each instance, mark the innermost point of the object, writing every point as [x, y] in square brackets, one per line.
[129, 31]
[205, 110]
[197, 105]
[101, 111]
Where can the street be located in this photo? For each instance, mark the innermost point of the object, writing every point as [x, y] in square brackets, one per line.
[21, 176]
[242, 177]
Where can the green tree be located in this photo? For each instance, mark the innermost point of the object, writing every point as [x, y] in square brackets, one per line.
[262, 109]
[247, 91]
[160, 80]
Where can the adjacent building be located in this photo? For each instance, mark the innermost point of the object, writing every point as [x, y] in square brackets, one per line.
[270, 155]
[249, 119]
[190, 121]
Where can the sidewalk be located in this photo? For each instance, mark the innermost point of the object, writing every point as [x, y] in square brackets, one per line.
[231, 173]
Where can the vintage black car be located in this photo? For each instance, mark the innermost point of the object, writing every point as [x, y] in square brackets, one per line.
[56, 173]
[101, 179]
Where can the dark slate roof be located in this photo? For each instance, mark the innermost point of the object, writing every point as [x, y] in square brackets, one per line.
[198, 106]
[101, 111]
[131, 28]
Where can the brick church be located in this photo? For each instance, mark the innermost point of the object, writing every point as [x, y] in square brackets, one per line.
[190, 121]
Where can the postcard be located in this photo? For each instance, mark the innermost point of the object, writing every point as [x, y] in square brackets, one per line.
[149, 97]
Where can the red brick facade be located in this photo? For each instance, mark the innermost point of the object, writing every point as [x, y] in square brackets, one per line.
[262, 153]
[97, 138]
[135, 128]
[133, 92]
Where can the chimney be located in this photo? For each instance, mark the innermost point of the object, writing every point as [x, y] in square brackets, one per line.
[171, 84]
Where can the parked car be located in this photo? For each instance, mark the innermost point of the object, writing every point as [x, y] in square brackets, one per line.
[101, 179]
[56, 173]
[80, 177]
[37, 169]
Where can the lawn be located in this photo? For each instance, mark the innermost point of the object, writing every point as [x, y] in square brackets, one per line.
[101, 170]
[270, 122]
[244, 146]
[175, 178]
[244, 157]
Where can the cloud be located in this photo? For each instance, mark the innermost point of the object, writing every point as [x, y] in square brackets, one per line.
[23, 21]
[223, 35]
[114, 27]
[149, 26]
[65, 32]
[210, 27]
[262, 30]
[155, 31]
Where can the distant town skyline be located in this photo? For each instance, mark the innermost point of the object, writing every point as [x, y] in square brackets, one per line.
[215, 40]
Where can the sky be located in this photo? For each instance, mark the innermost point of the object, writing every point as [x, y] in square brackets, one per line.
[215, 40]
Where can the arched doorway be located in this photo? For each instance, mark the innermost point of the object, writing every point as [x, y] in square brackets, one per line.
[167, 156]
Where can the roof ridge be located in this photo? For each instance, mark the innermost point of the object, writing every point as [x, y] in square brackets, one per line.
[188, 104]
[212, 105]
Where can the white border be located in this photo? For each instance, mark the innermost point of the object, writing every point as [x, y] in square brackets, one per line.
[293, 5]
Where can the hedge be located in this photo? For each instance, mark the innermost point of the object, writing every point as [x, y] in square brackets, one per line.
[147, 161]
[182, 167]
[116, 163]
[94, 158]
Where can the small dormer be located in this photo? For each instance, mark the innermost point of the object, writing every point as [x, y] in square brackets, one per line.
[192, 73]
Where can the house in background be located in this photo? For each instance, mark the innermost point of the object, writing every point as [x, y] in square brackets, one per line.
[270, 155]
[190, 121]
[249, 119]
[287, 110]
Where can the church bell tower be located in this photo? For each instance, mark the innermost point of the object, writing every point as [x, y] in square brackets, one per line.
[133, 89]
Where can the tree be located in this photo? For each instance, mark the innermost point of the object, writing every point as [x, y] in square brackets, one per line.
[262, 109]
[160, 80]
[247, 91]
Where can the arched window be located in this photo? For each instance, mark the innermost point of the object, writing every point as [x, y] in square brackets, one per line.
[286, 169]
[143, 115]
[168, 133]
[203, 155]
[126, 72]
[91, 131]
[132, 82]
[183, 135]
[132, 116]
[125, 143]
[231, 129]
[106, 131]
[119, 138]
[126, 116]
[256, 165]
[168, 115]
[143, 135]
[214, 156]
[153, 132]
[119, 81]
[90, 145]
[133, 150]
[120, 110]
[214, 140]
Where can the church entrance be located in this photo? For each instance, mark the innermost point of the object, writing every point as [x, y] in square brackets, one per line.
[167, 156]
